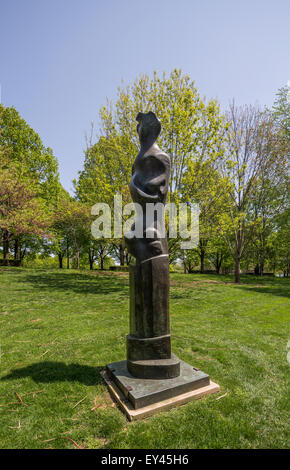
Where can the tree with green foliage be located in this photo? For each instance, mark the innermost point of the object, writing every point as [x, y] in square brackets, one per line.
[24, 157]
[218, 254]
[71, 225]
[203, 184]
[22, 212]
[191, 131]
[281, 110]
[269, 200]
[190, 127]
[20, 143]
[278, 245]
[256, 148]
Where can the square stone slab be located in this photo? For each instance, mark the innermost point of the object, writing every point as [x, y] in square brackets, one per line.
[164, 405]
[145, 392]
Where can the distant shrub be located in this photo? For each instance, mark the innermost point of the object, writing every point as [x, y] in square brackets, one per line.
[38, 261]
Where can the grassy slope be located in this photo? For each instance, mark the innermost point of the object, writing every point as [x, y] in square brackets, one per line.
[59, 329]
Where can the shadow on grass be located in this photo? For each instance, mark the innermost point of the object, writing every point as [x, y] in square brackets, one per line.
[282, 292]
[14, 270]
[48, 372]
[79, 283]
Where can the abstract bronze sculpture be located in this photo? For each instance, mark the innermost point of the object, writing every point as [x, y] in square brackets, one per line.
[148, 345]
[151, 373]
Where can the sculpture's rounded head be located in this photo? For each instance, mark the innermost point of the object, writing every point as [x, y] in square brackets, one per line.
[149, 127]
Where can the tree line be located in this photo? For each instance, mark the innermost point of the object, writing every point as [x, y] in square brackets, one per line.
[233, 164]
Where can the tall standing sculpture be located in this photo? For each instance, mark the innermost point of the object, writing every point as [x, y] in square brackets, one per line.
[148, 345]
[151, 373]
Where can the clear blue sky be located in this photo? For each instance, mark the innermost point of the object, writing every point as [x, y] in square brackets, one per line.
[60, 59]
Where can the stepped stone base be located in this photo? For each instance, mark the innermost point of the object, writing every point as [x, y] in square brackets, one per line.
[139, 398]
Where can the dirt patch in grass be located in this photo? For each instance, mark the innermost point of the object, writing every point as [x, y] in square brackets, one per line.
[212, 281]
[196, 281]
[110, 274]
[103, 401]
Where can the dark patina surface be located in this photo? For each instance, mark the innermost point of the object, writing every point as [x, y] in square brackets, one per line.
[147, 392]
[148, 344]
[151, 373]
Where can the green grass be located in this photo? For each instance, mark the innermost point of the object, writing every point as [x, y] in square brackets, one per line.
[58, 329]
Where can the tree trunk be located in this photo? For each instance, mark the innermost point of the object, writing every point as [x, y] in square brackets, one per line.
[22, 255]
[67, 255]
[257, 270]
[77, 259]
[184, 268]
[122, 255]
[202, 255]
[91, 259]
[184, 263]
[16, 250]
[237, 271]
[60, 258]
[6, 247]
[218, 268]
[202, 249]
[218, 263]
[128, 258]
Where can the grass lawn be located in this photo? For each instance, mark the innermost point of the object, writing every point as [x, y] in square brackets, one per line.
[58, 329]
